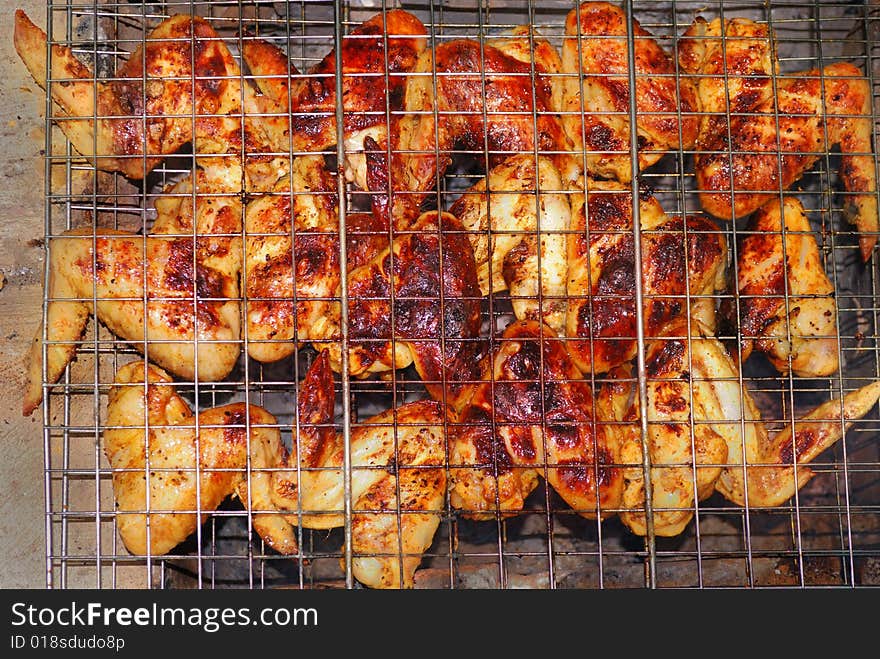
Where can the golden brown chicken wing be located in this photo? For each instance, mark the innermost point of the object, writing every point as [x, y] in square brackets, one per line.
[398, 479]
[683, 264]
[705, 432]
[181, 85]
[768, 129]
[686, 456]
[194, 463]
[596, 99]
[173, 295]
[786, 306]
[543, 425]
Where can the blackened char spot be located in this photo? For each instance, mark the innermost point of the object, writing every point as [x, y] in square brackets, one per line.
[490, 450]
[667, 359]
[805, 438]
[609, 211]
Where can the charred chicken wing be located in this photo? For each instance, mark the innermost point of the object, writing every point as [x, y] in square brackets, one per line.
[468, 96]
[544, 425]
[596, 99]
[683, 264]
[375, 58]
[182, 85]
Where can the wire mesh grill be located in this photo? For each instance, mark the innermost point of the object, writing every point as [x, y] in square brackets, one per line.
[827, 534]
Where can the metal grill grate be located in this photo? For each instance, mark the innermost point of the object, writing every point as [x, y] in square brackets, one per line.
[828, 534]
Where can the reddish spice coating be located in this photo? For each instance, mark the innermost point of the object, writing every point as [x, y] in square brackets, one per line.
[178, 273]
[235, 419]
[366, 57]
[804, 439]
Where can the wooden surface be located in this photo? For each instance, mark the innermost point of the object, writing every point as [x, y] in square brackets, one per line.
[22, 107]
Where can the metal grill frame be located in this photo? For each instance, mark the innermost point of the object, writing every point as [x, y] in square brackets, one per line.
[810, 544]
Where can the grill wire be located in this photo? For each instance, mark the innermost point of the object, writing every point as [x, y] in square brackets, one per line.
[827, 535]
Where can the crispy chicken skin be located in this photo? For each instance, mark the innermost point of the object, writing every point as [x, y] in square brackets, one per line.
[543, 425]
[398, 479]
[292, 261]
[786, 302]
[183, 85]
[464, 95]
[596, 100]
[194, 463]
[417, 302]
[174, 296]
[767, 129]
[682, 259]
[706, 434]
[518, 206]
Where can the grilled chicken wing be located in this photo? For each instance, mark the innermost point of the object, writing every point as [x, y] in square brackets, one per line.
[770, 468]
[466, 95]
[375, 58]
[776, 126]
[182, 85]
[786, 301]
[686, 457]
[398, 479]
[705, 432]
[173, 294]
[415, 300]
[682, 259]
[543, 425]
[292, 261]
[774, 468]
[519, 205]
[194, 463]
[596, 99]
